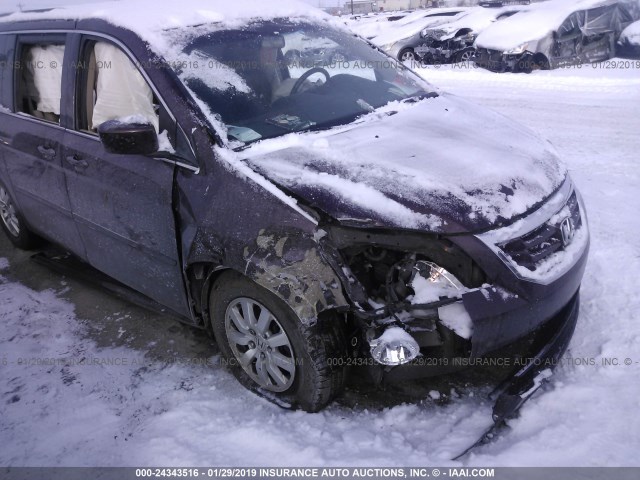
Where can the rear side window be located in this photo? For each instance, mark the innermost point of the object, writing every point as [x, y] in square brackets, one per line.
[38, 78]
[625, 16]
[599, 20]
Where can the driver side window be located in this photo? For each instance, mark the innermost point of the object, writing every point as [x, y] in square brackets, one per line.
[110, 87]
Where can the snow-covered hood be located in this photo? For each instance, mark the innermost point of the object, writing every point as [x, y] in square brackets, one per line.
[631, 34]
[439, 165]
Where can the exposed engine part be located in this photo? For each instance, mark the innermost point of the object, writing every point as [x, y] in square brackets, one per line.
[387, 276]
[405, 292]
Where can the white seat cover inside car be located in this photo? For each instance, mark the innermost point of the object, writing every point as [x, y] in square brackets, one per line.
[45, 67]
[121, 91]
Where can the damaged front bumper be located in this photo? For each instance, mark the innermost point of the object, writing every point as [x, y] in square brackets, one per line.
[499, 62]
[535, 267]
[499, 319]
[435, 51]
[550, 344]
[430, 55]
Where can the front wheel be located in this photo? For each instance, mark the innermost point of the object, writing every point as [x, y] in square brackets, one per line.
[270, 351]
[13, 223]
[408, 55]
[465, 56]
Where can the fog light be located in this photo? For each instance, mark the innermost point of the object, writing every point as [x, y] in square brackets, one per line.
[394, 347]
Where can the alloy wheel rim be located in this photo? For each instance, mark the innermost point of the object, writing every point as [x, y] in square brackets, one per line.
[260, 344]
[465, 57]
[406, 56]
[8, 213]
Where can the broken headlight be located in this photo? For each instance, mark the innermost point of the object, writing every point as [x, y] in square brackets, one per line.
[431, 282]
[401, 281]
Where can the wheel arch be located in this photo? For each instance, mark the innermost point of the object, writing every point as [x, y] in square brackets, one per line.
[405, 50]
[293, 268]
[541, 60]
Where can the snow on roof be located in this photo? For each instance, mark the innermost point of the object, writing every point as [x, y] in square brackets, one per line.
[411, 28]
[149, 18]
[477, 19]
[534, 24]
[429, 12]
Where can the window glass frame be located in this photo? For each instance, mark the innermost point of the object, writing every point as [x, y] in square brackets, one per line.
[7, 50]
[167, 121]
[23, 40]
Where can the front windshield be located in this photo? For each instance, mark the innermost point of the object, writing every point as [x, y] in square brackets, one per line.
[272, 78]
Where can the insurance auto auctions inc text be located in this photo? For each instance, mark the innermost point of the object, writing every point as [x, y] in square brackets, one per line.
[374, 472]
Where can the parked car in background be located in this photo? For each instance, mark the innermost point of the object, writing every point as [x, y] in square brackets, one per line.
[362, 23]
[453, 41]
[555, 34]
[398, 42]
[394, 16]
[384, 23]
[629, 42]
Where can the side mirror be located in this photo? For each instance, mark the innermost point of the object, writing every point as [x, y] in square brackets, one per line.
[128, 138]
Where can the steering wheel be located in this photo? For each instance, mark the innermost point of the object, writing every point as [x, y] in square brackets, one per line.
[306, 75]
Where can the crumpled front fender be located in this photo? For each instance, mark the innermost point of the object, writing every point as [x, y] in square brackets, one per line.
[295, 268]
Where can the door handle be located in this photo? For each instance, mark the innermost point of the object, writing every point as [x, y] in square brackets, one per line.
[46, 152]
[78, 164]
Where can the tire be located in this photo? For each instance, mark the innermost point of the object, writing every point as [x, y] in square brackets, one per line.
[524, 65]
[464, 56]
[408, 55]
[13, 223]
[295, 370]
[540, 62]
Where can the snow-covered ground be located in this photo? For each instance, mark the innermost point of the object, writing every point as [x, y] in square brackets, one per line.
[145, 411]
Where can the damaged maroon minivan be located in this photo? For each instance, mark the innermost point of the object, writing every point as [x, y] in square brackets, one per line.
[310, 216]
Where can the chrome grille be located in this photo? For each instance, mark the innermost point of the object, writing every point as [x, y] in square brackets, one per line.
[534, 247]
